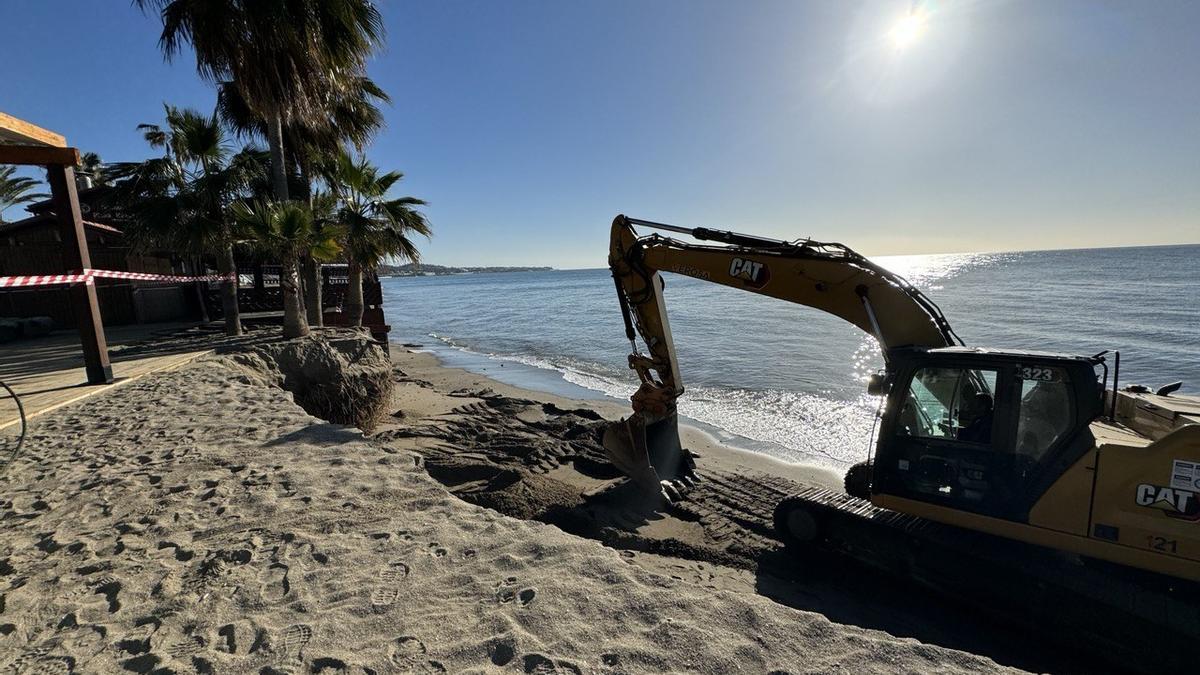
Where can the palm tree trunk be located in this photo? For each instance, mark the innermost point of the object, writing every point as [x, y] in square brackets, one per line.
[226, 265]
[354, 292]
[312, 292]
[201, 287]
[310, 268]
[294, 324]
[278, 168]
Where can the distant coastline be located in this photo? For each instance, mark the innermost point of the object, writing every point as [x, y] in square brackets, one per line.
[427, 270]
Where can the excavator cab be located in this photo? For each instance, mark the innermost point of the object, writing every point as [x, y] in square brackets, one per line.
[980, 430]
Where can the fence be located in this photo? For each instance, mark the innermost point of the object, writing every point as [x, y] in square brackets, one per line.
[259, 292]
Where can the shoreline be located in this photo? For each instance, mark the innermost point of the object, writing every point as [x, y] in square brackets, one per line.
[538, 380]
[429, 365]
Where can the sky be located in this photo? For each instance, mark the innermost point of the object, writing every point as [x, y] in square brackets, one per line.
[893, 126]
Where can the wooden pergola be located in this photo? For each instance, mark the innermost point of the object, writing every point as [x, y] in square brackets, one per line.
[25, 144]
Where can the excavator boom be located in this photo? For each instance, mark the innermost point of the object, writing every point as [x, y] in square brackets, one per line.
[826, 276]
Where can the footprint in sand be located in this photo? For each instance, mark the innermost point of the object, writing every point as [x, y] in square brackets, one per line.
[190, 645]
[295, 639]
[410, 655]
[507, 591]
[329, 665]
[436, 550]
[275, 584]
[396, 571]
[169, 584]
[502, 651]
[383, 597]
[525, 596]
[228, 633]
[48, 665]
[544, 665]
[109, 587]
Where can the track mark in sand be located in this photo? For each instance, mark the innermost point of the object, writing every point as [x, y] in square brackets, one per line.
[468, 555]
[295, 639]
[383, 597]
[396, 572]
[436, 550]
[181, 554]
[525, 596]
[50, 665]
[109, 588]
[507, 592]
[26, 658]
[544, 665]
[169, 584]
[410, 655]
[324, 664]
[501, 652]
[229, 632]
[275, 582]
[186, 647]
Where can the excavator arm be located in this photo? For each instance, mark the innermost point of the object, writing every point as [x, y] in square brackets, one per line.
[826, 276]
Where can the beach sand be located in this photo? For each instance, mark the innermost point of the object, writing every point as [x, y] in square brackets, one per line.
[201, 521]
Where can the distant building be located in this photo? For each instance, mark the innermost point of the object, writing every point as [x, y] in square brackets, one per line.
[34, 246]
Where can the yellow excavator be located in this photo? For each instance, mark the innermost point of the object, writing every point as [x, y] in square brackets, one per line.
[998, 460]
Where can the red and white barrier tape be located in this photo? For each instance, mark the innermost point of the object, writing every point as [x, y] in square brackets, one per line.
[86, 276]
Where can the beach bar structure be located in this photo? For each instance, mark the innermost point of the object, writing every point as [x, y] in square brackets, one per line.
[22, 143]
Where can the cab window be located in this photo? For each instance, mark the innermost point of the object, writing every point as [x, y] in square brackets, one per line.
[951, 404]
[1046, 413]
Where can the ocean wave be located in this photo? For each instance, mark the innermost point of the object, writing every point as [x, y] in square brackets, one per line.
[792, 426]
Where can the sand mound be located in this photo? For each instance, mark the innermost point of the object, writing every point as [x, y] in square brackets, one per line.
[201, 521]
[530, 459]
[340, 376]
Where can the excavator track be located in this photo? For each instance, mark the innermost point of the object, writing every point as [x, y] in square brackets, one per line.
[1139, 620]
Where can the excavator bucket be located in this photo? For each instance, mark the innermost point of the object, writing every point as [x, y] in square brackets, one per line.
[650, 454]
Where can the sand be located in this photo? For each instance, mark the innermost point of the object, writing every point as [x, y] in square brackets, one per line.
[201, 521]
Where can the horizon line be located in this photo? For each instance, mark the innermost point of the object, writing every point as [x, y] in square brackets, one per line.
[887, 255]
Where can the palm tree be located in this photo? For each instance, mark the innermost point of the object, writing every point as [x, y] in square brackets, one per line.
[285, 229]
[91, 166]
[352, 117]
[288, 60]
[16, 190]
[182, 200]
[374, 226]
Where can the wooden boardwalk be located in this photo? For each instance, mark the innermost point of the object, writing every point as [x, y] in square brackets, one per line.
[47, 372]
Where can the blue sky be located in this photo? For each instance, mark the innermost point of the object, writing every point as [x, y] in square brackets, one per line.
[529, 124]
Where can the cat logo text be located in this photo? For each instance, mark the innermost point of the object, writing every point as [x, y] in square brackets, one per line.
[754, 274]
[1171, 501]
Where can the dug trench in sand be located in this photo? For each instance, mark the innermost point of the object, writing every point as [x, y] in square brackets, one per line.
[201, 521]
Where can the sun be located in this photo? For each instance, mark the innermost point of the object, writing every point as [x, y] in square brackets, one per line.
[908, 30]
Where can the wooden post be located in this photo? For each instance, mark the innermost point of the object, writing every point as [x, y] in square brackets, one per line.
[76, 257]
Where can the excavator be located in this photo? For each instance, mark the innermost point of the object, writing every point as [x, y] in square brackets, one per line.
[1000, 475]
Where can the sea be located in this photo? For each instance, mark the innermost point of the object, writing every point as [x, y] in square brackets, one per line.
[789, 381]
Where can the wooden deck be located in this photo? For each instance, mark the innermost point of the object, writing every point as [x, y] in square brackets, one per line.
[47, 373]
